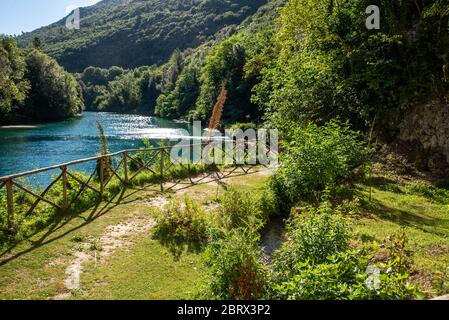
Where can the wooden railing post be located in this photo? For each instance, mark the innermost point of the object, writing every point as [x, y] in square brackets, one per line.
[10, 203]
[65, 202]
[161, 151]
[125, 166]
[101, 175]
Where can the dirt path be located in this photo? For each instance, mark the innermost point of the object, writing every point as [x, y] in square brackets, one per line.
[98, 250]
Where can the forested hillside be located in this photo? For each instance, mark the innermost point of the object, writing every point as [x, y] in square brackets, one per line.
[169, 90]
[132, 33]
[314, 62]
[173, 89]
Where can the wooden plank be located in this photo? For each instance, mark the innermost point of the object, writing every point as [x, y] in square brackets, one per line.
[101, 175]
[83, 186]
[143, 167]
[31, 209]
[125, 167]
[114, 171]
[80, 161]
[162, 168]
[10, 203]
[65, 203]
[84, 183]
[36, 195]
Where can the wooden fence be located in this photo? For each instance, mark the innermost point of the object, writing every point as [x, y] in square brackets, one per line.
[156, 161]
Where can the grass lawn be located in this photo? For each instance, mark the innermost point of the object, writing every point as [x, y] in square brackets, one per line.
[141, 268]
[396, 207]
[145, 271]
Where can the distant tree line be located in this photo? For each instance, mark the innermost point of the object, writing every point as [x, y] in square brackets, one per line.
[34, 87]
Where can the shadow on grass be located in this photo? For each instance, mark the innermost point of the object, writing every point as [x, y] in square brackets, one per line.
[98, 211]
[382, 183]
[177, 246]
[404, 218]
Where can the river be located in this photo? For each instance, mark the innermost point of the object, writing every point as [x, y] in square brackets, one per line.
[31, 147]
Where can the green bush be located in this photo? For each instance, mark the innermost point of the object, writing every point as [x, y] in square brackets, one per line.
[235, 272]
[243, 126]
[313, 234]
[316, 158]
[240, 209]
[348, 275]
[268, 203]
[316, 262]
[182, 223]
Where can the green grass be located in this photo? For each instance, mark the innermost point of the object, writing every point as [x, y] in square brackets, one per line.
[149, 271]
[34, 268]
[396, 207]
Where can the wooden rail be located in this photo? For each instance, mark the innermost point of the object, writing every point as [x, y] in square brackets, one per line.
[154, 160]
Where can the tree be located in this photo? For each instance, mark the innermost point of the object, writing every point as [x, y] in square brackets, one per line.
[37, 43]
[13, 88]
[54, 93]
[225, 64]
[329, 64]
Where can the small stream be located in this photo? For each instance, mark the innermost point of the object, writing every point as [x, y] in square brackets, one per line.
[272, 236]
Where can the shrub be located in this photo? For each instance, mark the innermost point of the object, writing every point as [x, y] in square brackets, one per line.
[240, 209]
[316, 158]
[313, 234]
[348, 275]
[182, 223]
[268, 204]
[234, 269]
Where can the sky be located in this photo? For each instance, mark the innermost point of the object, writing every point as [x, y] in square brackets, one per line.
[27, 15]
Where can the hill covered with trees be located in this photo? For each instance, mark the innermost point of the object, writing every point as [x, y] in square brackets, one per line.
[316, 61]
[172, 89]
[133, 33]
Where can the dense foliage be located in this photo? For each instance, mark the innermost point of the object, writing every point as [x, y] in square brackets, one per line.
[33, 87]
[316, 61]
[182, 223]
[94, 82]
[328, 63]
[344, 276]
[54, 93]
[13, 86]
[316, 158]
[317, 263]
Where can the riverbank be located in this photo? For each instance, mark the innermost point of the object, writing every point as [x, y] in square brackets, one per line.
[98, 244]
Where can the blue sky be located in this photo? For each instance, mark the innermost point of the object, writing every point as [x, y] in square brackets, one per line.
[26, 15]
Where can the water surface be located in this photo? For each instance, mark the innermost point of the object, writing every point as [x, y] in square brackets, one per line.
[32, 147]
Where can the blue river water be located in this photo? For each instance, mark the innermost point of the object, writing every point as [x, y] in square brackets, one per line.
[31, 147]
